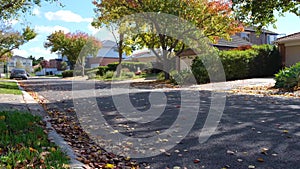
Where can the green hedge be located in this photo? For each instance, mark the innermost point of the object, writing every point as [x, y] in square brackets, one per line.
[260, 61]
[132, 66]
[67, 73]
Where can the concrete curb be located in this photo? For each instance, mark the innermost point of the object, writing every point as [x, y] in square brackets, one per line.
[36, 109]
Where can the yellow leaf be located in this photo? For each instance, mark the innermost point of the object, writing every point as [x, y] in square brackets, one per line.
[32, 149]
[2, 117]
[260, 160]
[53, 149]
[109, 166]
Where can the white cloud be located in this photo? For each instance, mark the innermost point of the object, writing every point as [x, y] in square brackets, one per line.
[66, 16]
[93, 30]
[20, 52]
[40, 51]
[36, 12]
[50, 29]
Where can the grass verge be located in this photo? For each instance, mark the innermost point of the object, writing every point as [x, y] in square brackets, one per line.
[24, 143]
[9, 88]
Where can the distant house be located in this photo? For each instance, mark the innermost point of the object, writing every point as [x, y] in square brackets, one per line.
[289, 47]
[56, 63]
[143, 55]
[19, 62]
[106, 55]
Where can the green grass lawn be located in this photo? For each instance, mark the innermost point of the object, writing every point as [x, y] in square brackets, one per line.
[9, 88]
[24, 143]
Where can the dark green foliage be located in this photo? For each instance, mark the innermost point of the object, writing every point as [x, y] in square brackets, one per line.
[260, 61]
[132, 66]
[67, 73]
[288, 77]
[91, 73]
[102, 70]
[266, 63]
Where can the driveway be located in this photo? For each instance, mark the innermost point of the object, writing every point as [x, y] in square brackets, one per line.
[254, 131]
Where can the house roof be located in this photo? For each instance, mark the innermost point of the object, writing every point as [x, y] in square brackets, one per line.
[291, 37]
[109, 50]
[144, 53]
[252, 29]
[235, 42]
[109, 43]
[19, 57]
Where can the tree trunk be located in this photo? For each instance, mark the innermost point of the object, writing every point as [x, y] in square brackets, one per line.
[82, 73]
[120, 51]
[166, 65]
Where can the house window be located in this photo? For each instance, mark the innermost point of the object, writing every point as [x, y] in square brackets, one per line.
[245, 36]
[271, 39]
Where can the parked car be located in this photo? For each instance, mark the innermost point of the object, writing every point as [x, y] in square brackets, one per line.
[19, 73]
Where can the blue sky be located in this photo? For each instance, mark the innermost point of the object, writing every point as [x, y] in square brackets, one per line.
[76, 15]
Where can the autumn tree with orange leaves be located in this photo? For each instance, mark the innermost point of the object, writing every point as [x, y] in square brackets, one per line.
[75, 46]
[214, 18]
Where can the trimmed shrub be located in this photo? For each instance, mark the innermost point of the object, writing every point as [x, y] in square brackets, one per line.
[112, 66]
[67, 73]
[288, 77]
[128, 74]
[260, 61]
[132, 66]
[102, 70]
[109, 74]
[92, 73]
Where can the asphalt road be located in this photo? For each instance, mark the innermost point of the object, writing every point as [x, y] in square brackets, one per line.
[254, 131]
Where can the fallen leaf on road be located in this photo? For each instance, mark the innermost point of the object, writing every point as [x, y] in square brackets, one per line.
[230, 152]
[197, 160]
[260, 160]
[251, 166]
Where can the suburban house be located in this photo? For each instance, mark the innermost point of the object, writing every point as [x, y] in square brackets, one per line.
[19, 62]
[143, 55]
[56, 63]
[289, 47]
[246, 38]
[54, 67]
[106, 55]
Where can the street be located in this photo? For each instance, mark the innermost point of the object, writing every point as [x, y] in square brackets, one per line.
[254, 131]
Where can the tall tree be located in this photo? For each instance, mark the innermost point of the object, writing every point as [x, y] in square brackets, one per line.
[11, 39]
[261, 13]
[119, 36]
[214, 18]
[12, 9]
[75, 46]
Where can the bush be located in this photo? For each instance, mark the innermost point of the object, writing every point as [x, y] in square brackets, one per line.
[109, 74]
[92, 73]
[288, 78]
[67, 73]
[128, 74]
[260, 61]
[38, 69]
[132, 66]
[102, 70]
